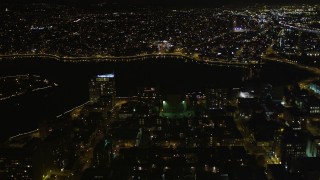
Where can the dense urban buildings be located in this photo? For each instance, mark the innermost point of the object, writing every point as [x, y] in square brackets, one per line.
[248, 128]
[211, 34]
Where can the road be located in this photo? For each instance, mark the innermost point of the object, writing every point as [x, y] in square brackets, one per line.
[250, 143]
[139, 57]
[86, 153]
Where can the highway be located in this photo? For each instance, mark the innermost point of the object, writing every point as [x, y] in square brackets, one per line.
[304, 83]
[291, 62]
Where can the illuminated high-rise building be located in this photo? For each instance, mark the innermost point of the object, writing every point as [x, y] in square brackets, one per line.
[102, 90]
[293, 145]
[149, 95]
[217, 98]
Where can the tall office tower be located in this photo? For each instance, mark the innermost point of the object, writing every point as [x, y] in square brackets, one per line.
[102, 90]
[293, 145]
[149, 95]
[217, 98]
[151, 98]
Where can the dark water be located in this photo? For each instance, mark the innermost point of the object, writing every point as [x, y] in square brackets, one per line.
[168, 75]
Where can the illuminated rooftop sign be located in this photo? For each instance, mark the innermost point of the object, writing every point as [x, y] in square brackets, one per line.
[106, 76]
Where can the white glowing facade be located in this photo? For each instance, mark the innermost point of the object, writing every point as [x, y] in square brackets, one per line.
[244, 94]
